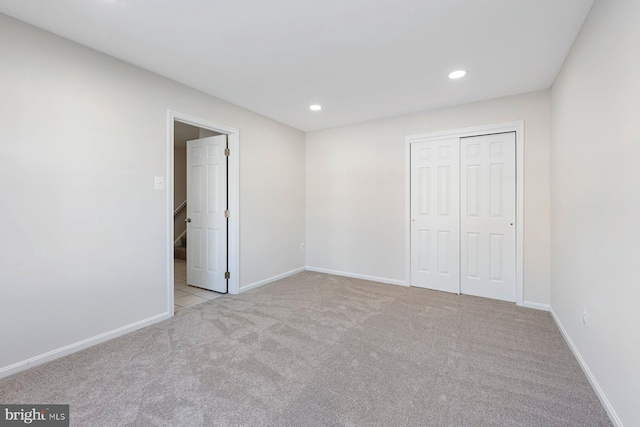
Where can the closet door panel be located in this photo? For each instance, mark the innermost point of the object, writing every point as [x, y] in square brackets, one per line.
[487, 216]
[435, 215]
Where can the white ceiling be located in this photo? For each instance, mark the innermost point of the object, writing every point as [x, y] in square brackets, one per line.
[360, 59]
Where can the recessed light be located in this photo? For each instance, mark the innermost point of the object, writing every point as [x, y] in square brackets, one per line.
[315, 107]
[457, 74]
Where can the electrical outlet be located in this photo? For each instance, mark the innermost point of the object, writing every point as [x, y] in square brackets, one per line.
[302, 246]
[585, 319]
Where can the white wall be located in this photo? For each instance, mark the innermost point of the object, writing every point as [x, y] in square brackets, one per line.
[355, 188]
[596, 202]
[83, 248]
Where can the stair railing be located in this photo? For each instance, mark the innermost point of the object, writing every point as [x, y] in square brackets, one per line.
[180, 207]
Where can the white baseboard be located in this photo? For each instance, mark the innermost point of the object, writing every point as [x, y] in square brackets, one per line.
[536, 305]
[80, 345]
[594, 383]
[271, 279]
[358, 276]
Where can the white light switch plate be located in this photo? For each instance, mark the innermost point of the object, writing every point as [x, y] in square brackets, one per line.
[159, 183]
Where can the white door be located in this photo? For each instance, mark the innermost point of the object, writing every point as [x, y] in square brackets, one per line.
[206, 205]
[435, 215]
[488, 213]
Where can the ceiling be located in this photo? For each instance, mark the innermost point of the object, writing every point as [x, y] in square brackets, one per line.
[360, 59]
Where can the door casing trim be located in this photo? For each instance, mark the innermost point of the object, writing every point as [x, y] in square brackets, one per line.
[518, 128]
[233, 191]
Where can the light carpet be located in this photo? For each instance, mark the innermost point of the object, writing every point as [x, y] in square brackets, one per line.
[321, 350]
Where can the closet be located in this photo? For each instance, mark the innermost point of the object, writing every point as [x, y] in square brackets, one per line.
[463, 215]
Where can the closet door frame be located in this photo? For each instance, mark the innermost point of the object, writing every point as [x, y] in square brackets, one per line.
[518, 128]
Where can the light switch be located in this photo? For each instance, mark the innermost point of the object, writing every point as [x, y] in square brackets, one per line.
[159, 183]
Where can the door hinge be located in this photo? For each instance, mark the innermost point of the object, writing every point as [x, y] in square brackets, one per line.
[227, 152]
[227, 214]
[227, 275]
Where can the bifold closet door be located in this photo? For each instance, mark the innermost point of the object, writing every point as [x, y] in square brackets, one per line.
[488, 213]
[435, 215]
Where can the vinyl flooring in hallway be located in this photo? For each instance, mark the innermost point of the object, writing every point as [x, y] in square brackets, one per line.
[184, 295]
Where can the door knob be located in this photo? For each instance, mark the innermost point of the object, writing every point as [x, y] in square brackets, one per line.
[187, 220]
[511, 224]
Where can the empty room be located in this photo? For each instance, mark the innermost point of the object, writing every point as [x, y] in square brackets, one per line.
[303, 213]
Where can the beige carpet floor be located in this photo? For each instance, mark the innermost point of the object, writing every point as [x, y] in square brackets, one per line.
[321, 350]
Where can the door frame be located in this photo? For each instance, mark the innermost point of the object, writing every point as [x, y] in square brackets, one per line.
[233, 192]
[518, 128]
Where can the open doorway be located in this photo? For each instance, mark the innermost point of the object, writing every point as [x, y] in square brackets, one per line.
[186, 293]
[203, 201]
